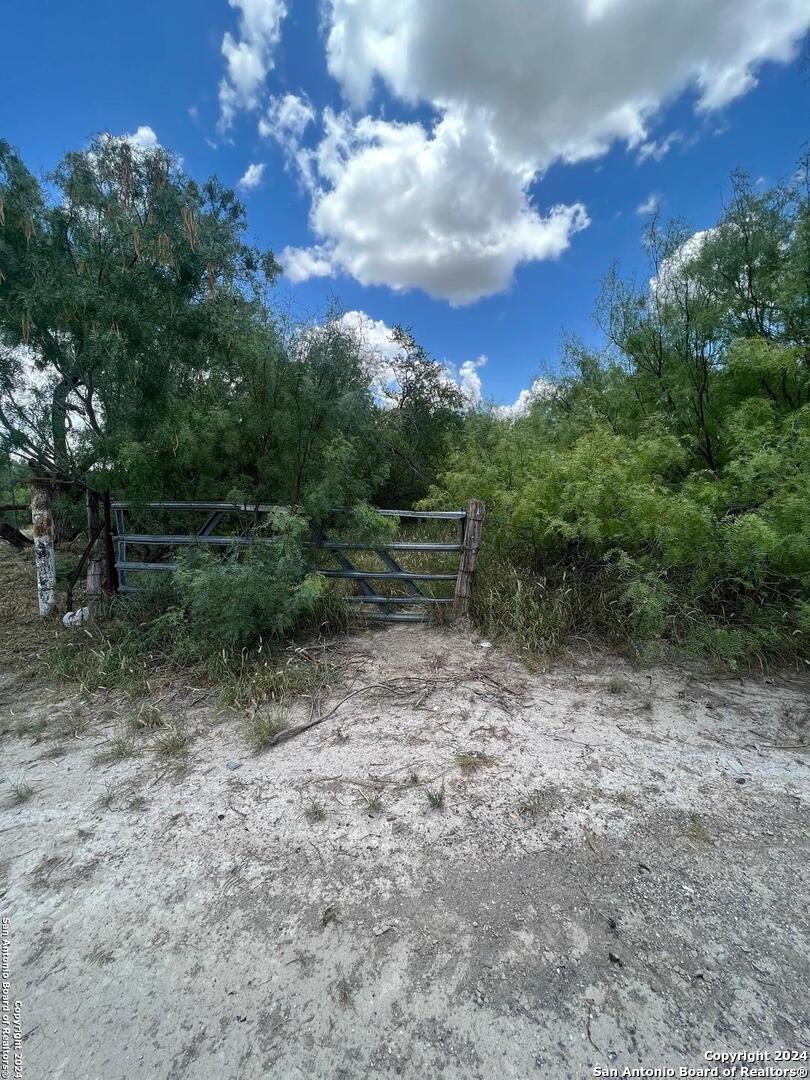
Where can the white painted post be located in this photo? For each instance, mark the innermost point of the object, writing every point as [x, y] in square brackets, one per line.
[44, 557]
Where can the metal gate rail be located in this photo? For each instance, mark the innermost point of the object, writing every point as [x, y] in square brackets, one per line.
[365, 579]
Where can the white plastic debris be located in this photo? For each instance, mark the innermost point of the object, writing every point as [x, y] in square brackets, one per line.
[76, 618]
[485, 644]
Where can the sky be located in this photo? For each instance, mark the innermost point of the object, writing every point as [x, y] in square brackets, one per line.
[470, 168]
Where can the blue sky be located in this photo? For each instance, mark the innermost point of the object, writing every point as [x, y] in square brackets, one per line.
[455, 133]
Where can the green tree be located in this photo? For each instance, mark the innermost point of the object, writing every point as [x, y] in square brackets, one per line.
[422, 413]
[118, 284]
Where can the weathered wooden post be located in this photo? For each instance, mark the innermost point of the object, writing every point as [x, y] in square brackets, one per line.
[473, 527]
[94, 558]
[44, 557]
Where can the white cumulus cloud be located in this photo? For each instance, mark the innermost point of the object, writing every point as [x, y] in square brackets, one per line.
[252, 176]
[287, 118]
[540, 388]
[300, 264]
[143, 138]
[453, 205]
[444, 211]
[249, 57]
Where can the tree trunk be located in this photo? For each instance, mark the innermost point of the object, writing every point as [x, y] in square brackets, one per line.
[59, 423]
[44, 556]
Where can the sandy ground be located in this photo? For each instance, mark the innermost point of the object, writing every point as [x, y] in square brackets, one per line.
[617, 876]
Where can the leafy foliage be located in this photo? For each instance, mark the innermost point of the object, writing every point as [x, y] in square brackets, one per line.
[660, 491]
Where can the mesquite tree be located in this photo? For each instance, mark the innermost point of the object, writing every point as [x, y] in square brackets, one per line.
[118, 284]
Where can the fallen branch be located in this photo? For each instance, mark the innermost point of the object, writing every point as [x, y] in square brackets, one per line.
[299, 729]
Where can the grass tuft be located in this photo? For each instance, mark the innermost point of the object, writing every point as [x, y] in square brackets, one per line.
[21, 791]
[147, 718]
[173, 744]
[315, 812]
[435, 796]
[119, 748]
[470, 761]
[533, 804]
[330, 914]
[264, 724]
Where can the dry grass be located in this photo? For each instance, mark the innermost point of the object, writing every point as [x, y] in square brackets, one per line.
[118, 748]
[470, 761]
[20, 792]
[264, 724]
[173, 744]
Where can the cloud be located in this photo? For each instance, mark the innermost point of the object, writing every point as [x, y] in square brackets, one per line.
[375, 336]
[287, 118]
[301, 264]
[380, 351]
[253, 176]
[248, 59]
[540, 388]
[144, 138]
[560, 81]
[448, 205]
[470, 381]
[658, 149]
[650, 205]
[443, 211]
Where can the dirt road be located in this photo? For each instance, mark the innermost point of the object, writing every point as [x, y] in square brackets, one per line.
[484, 873]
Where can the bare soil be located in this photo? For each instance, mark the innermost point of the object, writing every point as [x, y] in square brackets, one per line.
[616, 875]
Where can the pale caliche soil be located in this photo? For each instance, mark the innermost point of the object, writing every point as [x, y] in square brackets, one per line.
[622, 881]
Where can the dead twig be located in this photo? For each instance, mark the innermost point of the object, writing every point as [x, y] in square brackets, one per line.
[299, 729]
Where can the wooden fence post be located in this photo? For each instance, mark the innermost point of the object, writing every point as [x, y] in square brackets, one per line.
[93, 589]
[110, 582]
[44, 557]
[473, 527]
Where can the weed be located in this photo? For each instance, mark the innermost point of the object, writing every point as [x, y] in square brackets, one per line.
[413, 779]
[374, 803]
[173, 743]
[120, 663]
[315, 812]
[118, 748]
[107, 798]
[471, 760]
[534, 804]
[137, 803]
[263, 725]
[254, 679]
[70, 726]
[330, 914]
[617, 684]
[21, 792]
[435, 796]
[147, 718]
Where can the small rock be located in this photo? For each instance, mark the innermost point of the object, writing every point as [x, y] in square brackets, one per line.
[740, 779]
[614, 959]
[233, 765]
[485, 645]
